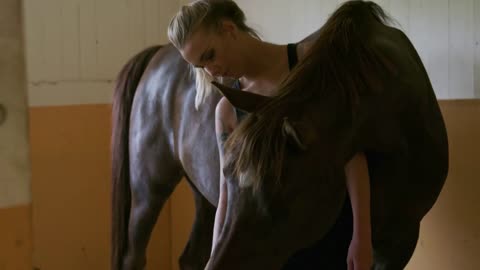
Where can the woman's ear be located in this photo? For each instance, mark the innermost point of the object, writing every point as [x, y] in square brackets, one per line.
[227, 27]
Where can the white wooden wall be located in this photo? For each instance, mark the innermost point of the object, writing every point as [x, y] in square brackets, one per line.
[75, 48]
[446, 34]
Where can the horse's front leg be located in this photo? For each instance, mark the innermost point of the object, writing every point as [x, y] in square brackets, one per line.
[197, 250]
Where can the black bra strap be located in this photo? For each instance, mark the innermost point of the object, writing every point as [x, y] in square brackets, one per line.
[292, 55]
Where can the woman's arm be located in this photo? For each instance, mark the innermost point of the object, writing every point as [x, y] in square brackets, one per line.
[223, 128]
[358, 186]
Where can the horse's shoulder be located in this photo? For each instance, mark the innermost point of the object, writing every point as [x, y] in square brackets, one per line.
[225, 117]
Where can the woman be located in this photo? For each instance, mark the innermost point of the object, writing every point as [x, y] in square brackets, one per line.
[213, 37]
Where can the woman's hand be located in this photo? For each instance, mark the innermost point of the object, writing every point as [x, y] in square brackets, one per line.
[360, 253]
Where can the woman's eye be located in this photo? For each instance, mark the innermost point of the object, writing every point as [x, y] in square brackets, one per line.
[211, 55]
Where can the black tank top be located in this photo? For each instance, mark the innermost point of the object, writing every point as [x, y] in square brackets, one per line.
[292, 61]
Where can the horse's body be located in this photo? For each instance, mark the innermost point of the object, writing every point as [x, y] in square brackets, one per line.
[164, 139]
[159, 137]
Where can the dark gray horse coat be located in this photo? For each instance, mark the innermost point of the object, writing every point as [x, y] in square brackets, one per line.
[158, 137]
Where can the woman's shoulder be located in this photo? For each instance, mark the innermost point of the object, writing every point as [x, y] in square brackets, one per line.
[303, 48]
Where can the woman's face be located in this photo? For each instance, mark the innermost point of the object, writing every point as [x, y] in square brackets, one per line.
[214, 51]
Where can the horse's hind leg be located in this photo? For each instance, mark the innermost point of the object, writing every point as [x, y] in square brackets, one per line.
[152, 182]
[197, 250]
[396, 252]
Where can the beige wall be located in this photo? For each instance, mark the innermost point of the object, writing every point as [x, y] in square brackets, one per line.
[450, 234]
[71, 191]
[16, 243]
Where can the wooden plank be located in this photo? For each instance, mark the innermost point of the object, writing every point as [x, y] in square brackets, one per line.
[418, 24]
[420, 16]
[434, 42]
[136, 33]
[327, 7]
[70, 39]
[88, 40]
[34, 35]
[289, 21]
[461, 50]
[167, 9]
[298, 23]
[321, 12]
[184, 2]
[308, 16]
[286, 23]
[51, 11]
[113, 43]
[255, 15]
[16, 235]
[400, 11]
[477, 48]
[385, 4]
[71, 93]
[279, 19]
[152, 23]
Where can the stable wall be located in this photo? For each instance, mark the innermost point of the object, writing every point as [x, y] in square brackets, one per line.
[76, 47]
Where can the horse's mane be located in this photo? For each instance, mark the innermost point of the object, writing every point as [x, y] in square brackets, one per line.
[341, 62]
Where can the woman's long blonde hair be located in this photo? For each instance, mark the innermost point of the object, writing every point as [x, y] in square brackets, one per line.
[205, 13]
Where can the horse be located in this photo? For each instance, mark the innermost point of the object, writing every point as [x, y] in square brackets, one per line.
[367, 90]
